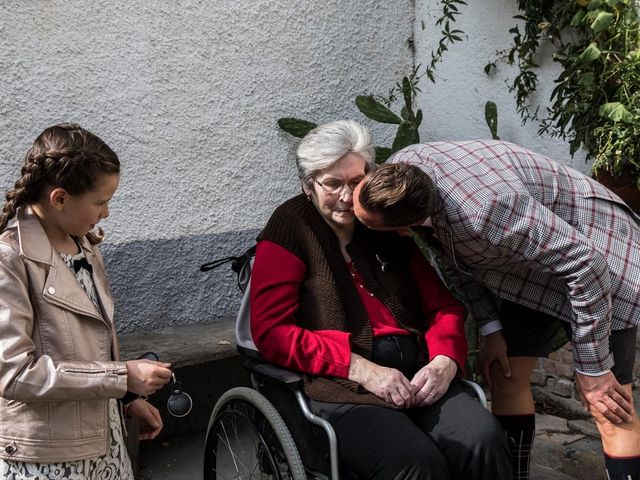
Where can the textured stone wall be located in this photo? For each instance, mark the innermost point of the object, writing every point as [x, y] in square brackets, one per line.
[188, 93]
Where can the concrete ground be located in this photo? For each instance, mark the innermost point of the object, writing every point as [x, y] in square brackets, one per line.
[563, 450]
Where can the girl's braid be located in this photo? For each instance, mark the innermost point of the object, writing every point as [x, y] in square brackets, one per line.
[28, 187]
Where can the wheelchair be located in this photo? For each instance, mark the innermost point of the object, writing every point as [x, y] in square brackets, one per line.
[269, 431]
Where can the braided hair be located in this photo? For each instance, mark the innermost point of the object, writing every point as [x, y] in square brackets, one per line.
[63, 156]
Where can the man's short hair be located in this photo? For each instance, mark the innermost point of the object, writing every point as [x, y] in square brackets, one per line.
[402, 194]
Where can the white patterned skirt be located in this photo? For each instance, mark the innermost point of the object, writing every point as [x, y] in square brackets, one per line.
[115, 465]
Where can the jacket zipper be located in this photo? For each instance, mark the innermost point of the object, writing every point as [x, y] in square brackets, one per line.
[92, 371]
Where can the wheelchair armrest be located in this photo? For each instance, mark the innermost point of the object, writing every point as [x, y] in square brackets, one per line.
[477, 390]
[271, 371]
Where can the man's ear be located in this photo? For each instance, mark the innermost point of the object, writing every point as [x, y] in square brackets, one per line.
[306, 189]
[58, 197]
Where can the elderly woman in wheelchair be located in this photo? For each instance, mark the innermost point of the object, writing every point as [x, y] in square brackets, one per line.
[365, 318]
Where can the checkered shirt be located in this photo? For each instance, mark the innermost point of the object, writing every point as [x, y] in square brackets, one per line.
[516, 225]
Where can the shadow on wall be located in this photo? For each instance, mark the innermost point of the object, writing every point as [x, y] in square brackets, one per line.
[158, 284]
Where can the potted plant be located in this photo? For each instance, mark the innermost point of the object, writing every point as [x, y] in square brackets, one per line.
[596, 102]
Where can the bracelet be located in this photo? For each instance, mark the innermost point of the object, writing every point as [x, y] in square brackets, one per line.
[129, 397]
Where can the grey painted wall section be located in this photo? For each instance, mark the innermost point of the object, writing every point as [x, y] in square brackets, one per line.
[188, 93]
[454, 107]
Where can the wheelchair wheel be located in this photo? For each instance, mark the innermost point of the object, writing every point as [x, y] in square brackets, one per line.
[247, 439]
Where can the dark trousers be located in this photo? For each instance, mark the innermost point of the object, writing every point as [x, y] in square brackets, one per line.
[456, 439]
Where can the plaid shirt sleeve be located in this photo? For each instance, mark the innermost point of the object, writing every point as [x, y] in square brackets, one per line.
[516, 229]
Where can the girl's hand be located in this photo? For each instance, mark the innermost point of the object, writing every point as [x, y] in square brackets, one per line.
[387, 383]
[148, 416]
[432, 381]
[144, 377]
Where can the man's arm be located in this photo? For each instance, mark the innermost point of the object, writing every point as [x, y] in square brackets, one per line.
[516, 229]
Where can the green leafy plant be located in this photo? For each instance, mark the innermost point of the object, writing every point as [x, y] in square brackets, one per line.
[378, 108]
[595, 104]
[450, 10]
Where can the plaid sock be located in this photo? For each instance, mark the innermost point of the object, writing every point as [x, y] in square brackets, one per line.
[622, 468]
[520, 430]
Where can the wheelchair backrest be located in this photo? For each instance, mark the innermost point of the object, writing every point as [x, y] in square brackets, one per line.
[242, 265]
[244, 340]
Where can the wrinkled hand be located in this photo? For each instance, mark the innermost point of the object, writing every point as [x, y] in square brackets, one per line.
[144, 377]
[432, 381]
[387, 383]
[148, 416]
[605, 395]
[493, 349]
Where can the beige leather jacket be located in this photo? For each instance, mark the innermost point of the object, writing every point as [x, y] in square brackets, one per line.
[57, 372]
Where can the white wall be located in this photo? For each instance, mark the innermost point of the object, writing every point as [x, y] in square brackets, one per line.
[188, 93]
[454, 106]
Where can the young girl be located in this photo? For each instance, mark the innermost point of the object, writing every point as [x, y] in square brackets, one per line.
[60, 374]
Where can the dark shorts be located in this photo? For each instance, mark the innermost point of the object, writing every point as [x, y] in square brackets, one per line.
[529, 333]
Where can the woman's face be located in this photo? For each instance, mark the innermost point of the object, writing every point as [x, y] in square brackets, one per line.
[334, 198]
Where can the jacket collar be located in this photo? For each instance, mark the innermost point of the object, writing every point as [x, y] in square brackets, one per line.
[35, 245]
[33, 240]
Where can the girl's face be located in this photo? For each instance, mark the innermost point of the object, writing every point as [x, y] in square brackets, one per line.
[79, 214]
[336, 208]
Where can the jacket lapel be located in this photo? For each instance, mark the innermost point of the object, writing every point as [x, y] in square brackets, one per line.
[61, 287]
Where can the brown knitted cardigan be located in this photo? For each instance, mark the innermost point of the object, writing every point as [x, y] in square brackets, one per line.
[328, 297]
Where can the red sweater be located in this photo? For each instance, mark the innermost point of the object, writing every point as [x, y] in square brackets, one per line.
[275, 281]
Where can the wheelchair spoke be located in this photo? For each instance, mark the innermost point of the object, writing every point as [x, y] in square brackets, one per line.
[243, 445]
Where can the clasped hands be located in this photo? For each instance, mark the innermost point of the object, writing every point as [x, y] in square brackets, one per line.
[426, 387]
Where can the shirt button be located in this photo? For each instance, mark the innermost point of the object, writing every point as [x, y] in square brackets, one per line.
[10, 449]
[51, 290]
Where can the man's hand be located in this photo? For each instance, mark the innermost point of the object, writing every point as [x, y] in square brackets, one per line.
[493, 349]
[387, 383]
[432, 381]
[605, 395]
[148, 416]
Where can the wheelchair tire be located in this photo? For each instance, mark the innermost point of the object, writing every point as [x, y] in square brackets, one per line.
[247, 439]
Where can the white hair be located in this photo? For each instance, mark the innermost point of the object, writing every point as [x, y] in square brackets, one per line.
[326, 144]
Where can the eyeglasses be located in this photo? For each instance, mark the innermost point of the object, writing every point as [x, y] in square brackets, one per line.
[334, 186]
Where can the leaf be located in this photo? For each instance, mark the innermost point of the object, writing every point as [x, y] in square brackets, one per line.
[602, 22]
[382, 153]
[407, 135]
[594, 5]
[591, 53]
[373, 109]
[612, 3]
[577, 19]
[615, 111]
[418, 118]
[587, 79]
[491, 117]
[295, 126]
